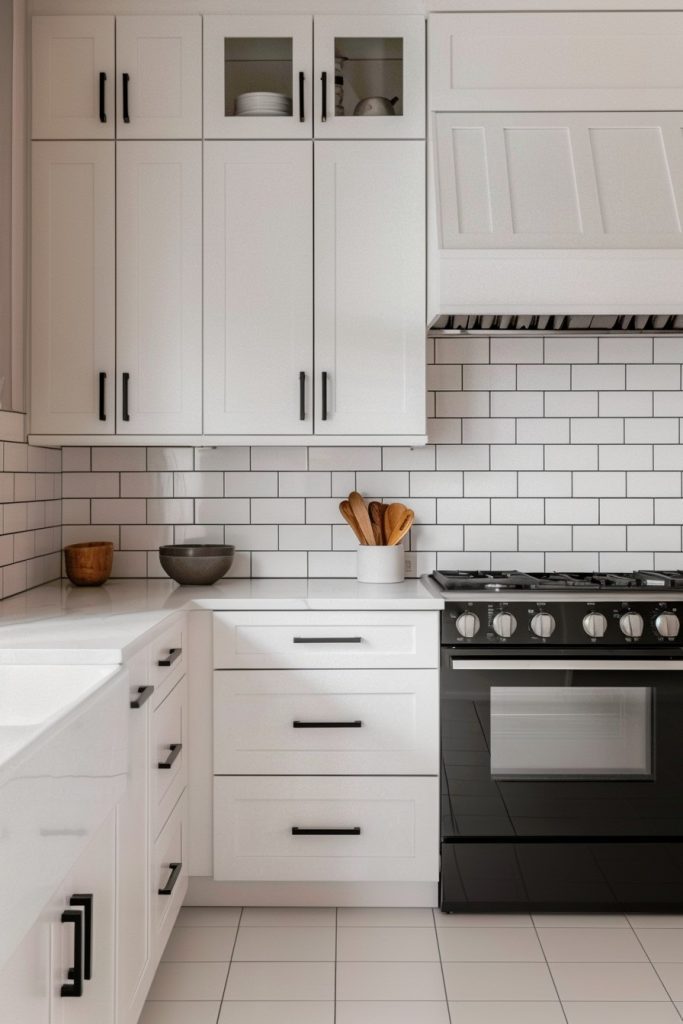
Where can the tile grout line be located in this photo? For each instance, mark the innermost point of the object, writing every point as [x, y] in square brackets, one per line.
[232, 953]
[652, 964]
[549, 969]
[443, 976]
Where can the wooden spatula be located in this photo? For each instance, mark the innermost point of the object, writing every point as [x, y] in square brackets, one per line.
[376, 511]
[347, 512]
[360, 511]
[399, 531]
[393, 515]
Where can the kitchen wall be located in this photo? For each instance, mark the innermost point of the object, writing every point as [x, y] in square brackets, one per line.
[30, 516]
[547, 453]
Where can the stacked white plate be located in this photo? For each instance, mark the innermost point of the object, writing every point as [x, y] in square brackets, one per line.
[263, 104]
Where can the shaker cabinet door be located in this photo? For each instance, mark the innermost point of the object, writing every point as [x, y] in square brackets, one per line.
[258, 287]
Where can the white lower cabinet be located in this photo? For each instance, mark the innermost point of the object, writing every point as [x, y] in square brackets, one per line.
[169, 874]
[25, 978]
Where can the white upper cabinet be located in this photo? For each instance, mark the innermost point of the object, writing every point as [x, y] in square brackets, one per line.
[567, 181]
[370, 287]
[258, 76]
[258, 287]
[370, 75]
[72, 288]
[607, 60]
[159, 287]
[159, 76]
[73, 77]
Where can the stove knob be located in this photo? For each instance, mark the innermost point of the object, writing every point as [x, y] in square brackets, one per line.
[543, 624]
[667, 624]
[595, 624]
[504, 624]
[631, 624]
[467, 624]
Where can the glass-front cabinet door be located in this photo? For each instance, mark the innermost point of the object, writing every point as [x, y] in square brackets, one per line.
[258, 77]
[370, 77]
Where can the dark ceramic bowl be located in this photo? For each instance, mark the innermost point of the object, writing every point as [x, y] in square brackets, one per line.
[196, 565]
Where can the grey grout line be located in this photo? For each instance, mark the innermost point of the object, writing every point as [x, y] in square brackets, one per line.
[336, 933]
[232, 953]
[651, 962]
[443, 975]
[545, 959]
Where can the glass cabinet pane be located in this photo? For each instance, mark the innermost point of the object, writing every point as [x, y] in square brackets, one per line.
[258, 76]
[368, 76]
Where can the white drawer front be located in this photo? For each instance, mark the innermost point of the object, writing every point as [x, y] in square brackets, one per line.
[326, 722]
[326, 639]
[397, 819]
[169, 744]
[169, 850]
[167, 656]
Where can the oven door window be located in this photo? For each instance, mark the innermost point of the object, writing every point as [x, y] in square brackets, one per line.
[571, 732]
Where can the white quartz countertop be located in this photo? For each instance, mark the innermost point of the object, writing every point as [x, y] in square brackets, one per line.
[61, 624]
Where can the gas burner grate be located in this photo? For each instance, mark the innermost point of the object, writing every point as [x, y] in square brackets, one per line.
[460, 579]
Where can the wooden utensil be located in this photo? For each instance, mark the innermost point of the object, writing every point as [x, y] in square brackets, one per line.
[399, 531]
[347, 512]
[376, 511]
[393, 515]
[360, 511]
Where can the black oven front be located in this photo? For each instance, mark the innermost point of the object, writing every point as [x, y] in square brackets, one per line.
[562, 782]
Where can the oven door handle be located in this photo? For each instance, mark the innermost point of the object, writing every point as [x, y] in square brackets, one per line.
[562, 664]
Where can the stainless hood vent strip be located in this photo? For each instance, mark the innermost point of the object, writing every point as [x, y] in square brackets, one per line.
[626, 323]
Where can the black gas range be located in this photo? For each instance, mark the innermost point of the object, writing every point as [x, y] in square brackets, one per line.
[561, 741]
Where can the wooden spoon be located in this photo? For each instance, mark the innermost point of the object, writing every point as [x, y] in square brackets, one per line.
[393, 515]
[399, 532]
[360, 511]
[347, 512]
[377, 519]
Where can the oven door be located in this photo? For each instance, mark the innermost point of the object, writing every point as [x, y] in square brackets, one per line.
[548, 767]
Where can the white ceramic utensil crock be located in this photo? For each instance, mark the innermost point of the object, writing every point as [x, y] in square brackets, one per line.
[380, 563]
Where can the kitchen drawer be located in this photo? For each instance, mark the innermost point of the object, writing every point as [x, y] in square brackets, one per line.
[167, 657]
[326, 722]
[397, 823]
[357, 639]
[170, 849]
[169, 730]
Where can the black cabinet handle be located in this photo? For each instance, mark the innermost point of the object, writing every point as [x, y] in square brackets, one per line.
[125, 414]
[172, 879]
[173, 655]
[302, 113]
[327, 640]
[323, 113]
[103, 112]
[302, 395]
[144, 693]
[126, 113]
[327, 725]
[74, 987]
[324, 390]
[85, 900]
[175, 749]
[325, 831]
[102, 386]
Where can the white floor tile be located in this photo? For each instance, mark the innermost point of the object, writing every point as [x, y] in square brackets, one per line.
[276, 1013]
[656, 920]
[385, 917]
[207, 917]
[621, 1013]
[507, 1013]
[580, 920]
[482, 920]
[180, 1013]
[251, 981]
[612, 982]
[510, 982]
[190, 944]
[591, 945]
[381, 981]
[490, 944]
[665, 945]
[189, 981]
[273, 917]
[391, 1013]
[387, 944]
[281, 943]
[672, 977]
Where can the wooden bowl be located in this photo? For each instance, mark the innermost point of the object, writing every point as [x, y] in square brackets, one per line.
[89, 564]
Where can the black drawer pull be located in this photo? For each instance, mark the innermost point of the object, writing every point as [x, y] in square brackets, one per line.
[302, 112]
[172, 879]
[327, 640]
[323, 112]
[324, 388]
[102, 385]
[144, 693]
[85, 900]
[175, 749]
[173, 655]
[126, 112]
[325, 831]
[302, 395]
[125, 412]
[74, 987]
[327, 725]
[103, 112]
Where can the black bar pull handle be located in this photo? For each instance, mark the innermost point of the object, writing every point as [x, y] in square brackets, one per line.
[173, 655]
[74, 987]
[327, 725]
[144, 693]
[126, 112]
[302, 111]
[324, 391]
[125, 413]
[167, 889]
[327, 640]
[302, 395]
[325, 831]
[103, 110]
[102, 394]
[85, 900]
[323, 112]
[175, 749]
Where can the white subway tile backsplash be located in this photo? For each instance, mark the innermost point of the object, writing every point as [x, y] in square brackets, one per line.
[654, 538]
[543, 378]
[516, 456]
[626, 510]
[545, 538]
[668, 350]
[243, 484]
[332, 563]
[463, 510]
[221, 458]
[380, 485]
[515, 403]
[490, 538]
[436, 538]
[170, 458]
[221, 510]
[409, 458]
[488, 431]
[444, 431]
[462, 403]
[323, 510]
[192, 533]
[604, 377]
[620, 349]
[462, 350]
[90, 485]
[308, 537]
[436, 485]
[525, 561]
[570, 403]
[599, 538]
[170, 510]
[668, 510]
[118, 459]
[650, 431]
[668, 403]
[118, 510]
[76, 460]
[304, 485]
[279, 563]
[623, 561]
[564, 349]
[546, 484]
[589, 430]
[197, 485]
[516, 350]
[145, 538]
[444, 378]
[147, 485]
[621, 456]
[272, 457]
[517, 510]
[493, 484]
[571, 456]
[489, 378]
[572, 561]
[658, 484]
[252, 538]
[625, 403]
[658, 377]
[466, 456]
[344, 458]
[543, 431]
[572, 510]
[599, 484]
